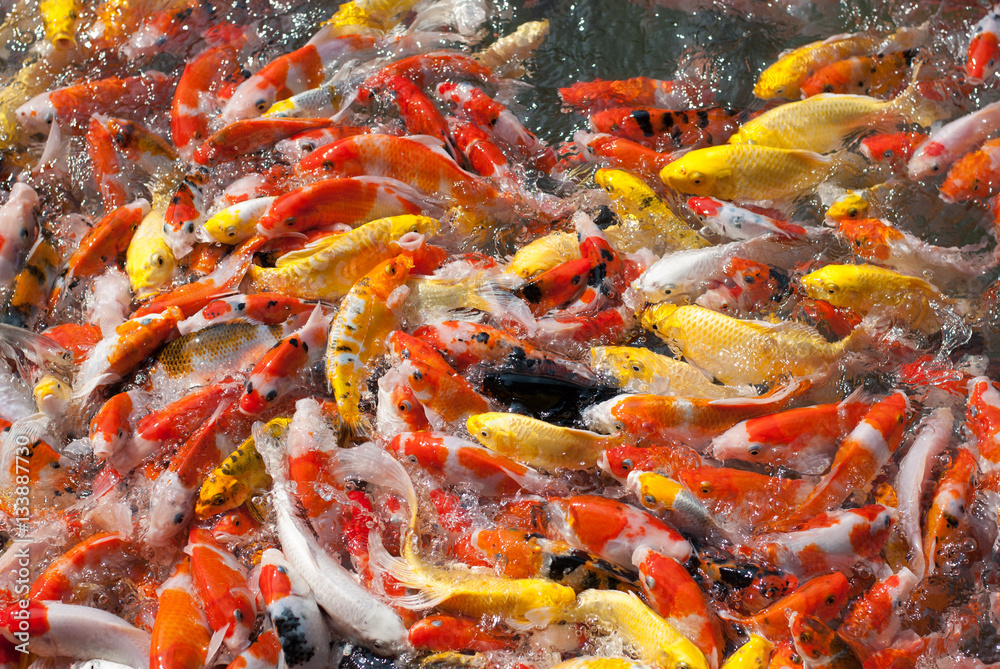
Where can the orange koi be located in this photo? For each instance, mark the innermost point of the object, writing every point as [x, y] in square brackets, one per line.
[459, 461]
[299, 146]
[133, 342]
[221, 583]
[419, 114]
[105, 555]
[976, 175]
[196, 98]
[638, 91]
[181, 634]
[952, 498]
[263, 653]
[445, 393]
[426, 69]
[620, 153]
[454, 633]
[72, 106]
[818, 645]
[663, 129]
[896, 148]
[690, 420]
[666, 458]
[100, 247]
[111, 426]
[613, 530]
[983, 56]
[874, 620]
[745, 497]
[247, 136]
[407, 160]
[348, 200]
[555, 287]
[876, 75]
[107, 168]
[673, 594]
[480, 152]
[265, 308]
[822, 596]
[983, 415]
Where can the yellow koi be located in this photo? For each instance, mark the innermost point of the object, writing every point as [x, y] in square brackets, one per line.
[748, 172]
[646, 221]
[539, 444]
[241, 474]
[328, 268]
[357, 335]
[652, 638]
[641, 370]
[754, 654]
[544, 253]
[735, 351]
[59, 18]
[149, 262]
[864, 287]
[237, 223]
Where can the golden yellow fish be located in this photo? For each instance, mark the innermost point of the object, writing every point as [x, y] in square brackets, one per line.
[360, 16]
[748, 172]
[735, 351]
[544, 253]
[865, 287]
[539, 444]
[242, 473]
[646, 221]
[59, 19]
[329, 267]
[641, 370]
[754, 654]
[652, 638]
[825, 122]
[149, 262]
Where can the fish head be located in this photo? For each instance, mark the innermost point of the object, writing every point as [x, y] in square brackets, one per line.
[52, 396]
[964, 181]
[151, 266]
[928, 160]
[251, 98]
[37, 115]
[849, 205]
[217, 495]
[830, 284]
[697, 172]
[983, 58]
[868, 237]
[774, 82]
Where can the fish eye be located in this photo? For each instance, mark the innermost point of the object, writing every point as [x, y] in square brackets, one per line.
[405, 406]
[390, 269]
[935, 167]
[158, 259]
[831, 600]
[437, 623]
[485, 434]
[888, 153]
[218, 500]
[231, 231]
[650, 582]
[261, 105]
[636, 368]
[627, 463]
[975, 185]
[706, 488]
[649, 499]
[754, 451]
[271, 395]
[697, 177]
[852, 212]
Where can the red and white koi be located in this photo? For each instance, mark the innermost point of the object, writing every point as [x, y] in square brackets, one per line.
[953, 140]
[613, 530]
[983, 56]
[735, 223]
[673, 594]
[833, 541]
[803, 439]
[951, 501]
[875, 619]
[934, 434]
[460, 461]
[280, 367]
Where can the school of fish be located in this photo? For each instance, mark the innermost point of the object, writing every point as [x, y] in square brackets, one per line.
[320, 357]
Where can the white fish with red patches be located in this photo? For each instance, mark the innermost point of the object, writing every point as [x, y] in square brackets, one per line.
[733, 222]
[953, 140]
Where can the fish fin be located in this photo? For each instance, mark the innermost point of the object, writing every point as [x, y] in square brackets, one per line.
[381, 562]
[41, 350]
[540, 617]
[911, 105]
[271, 452]
[214, 644]
[106, 480]
[374, 465]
